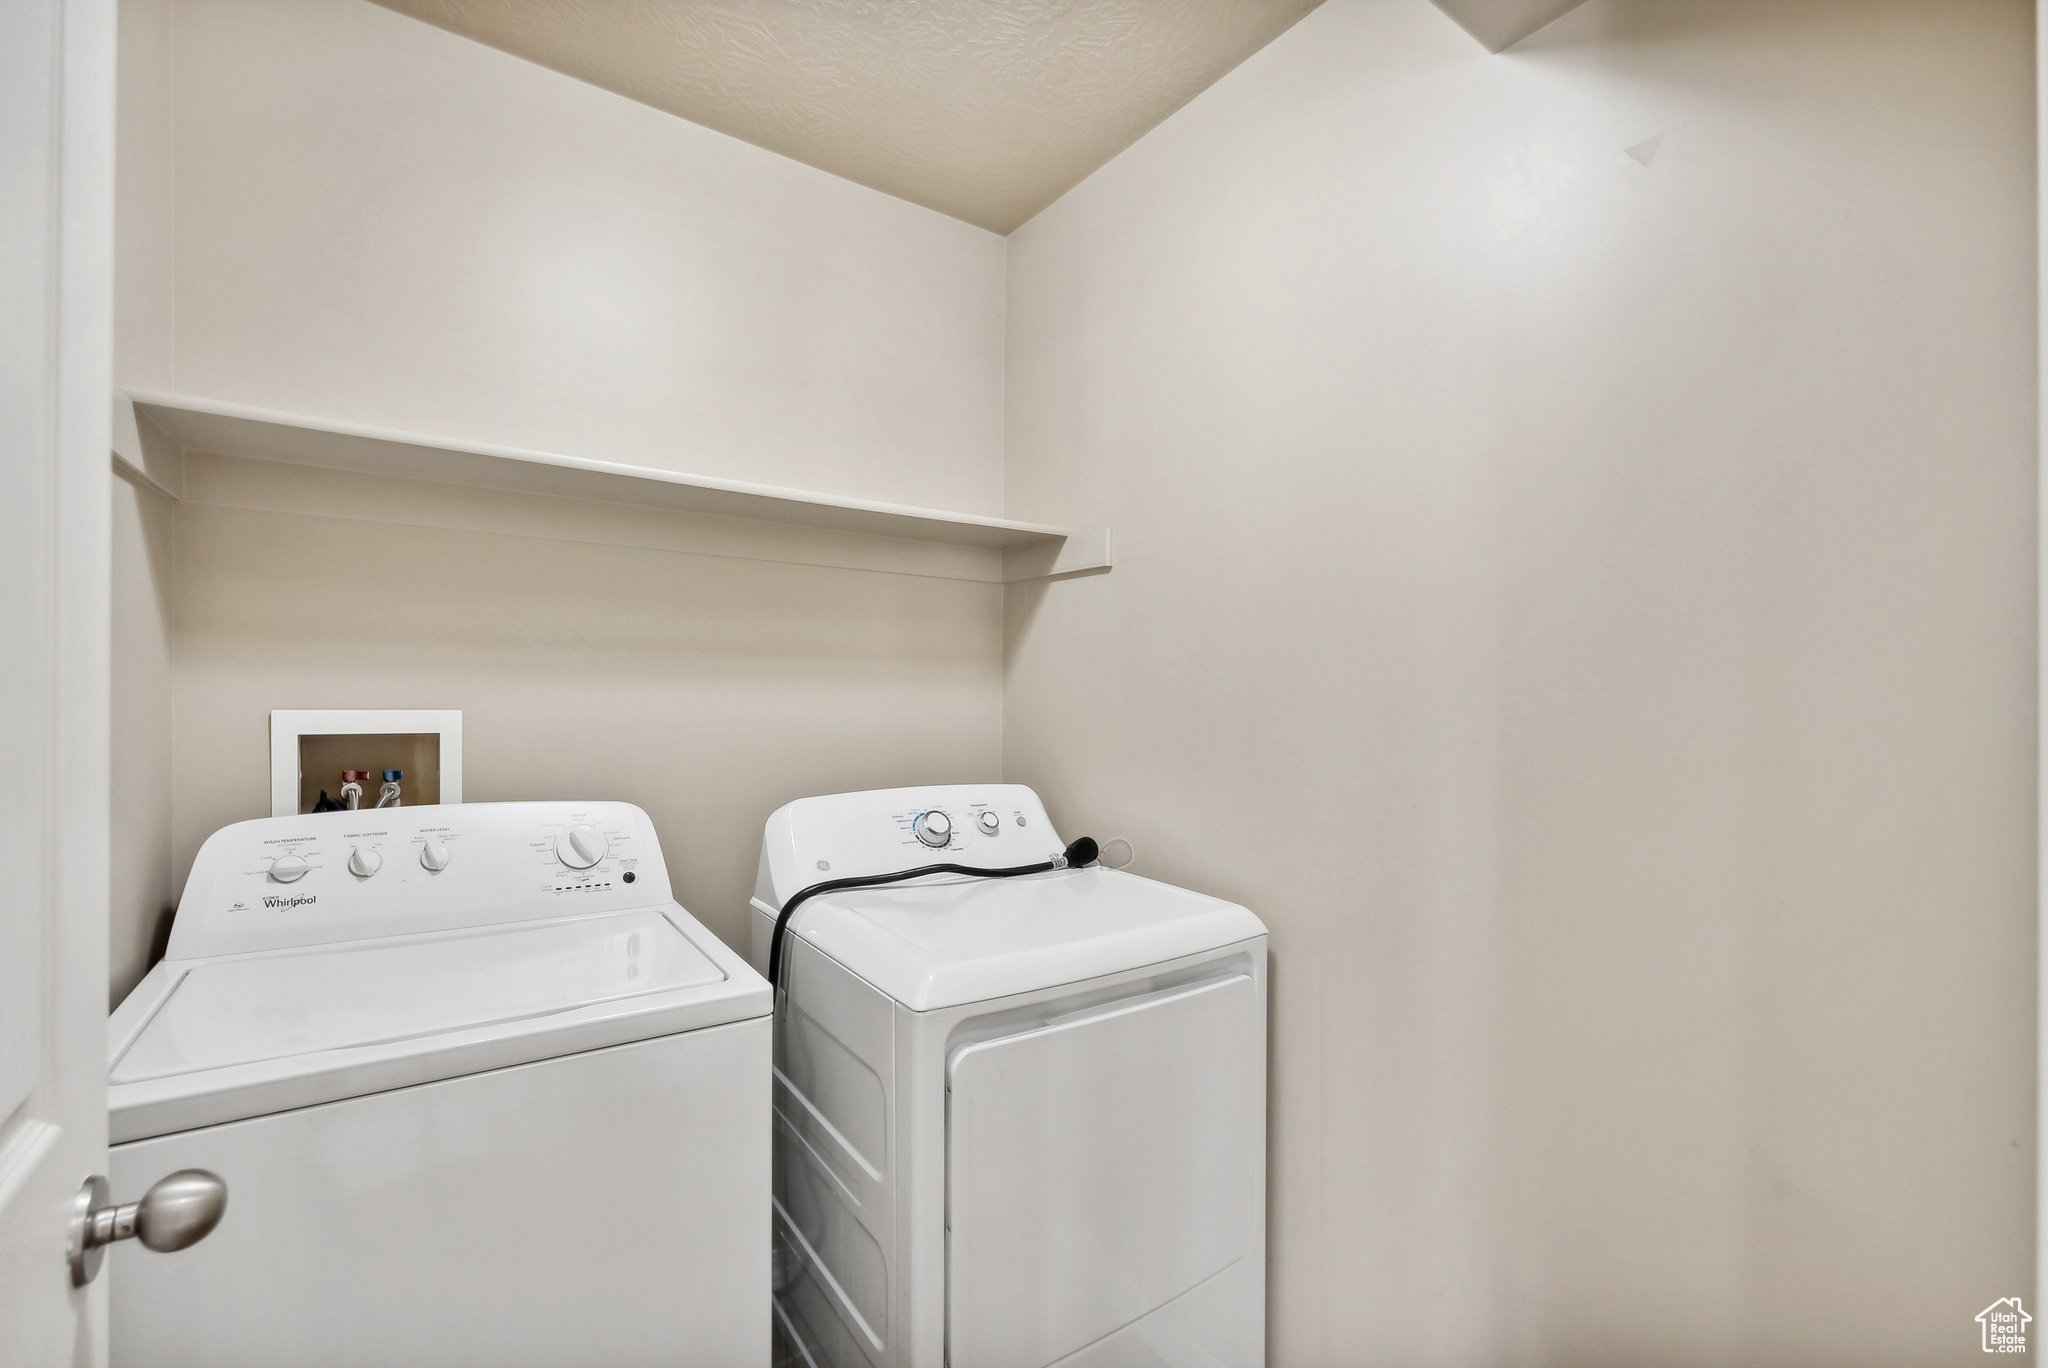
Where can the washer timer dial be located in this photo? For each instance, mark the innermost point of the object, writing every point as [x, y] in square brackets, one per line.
[934, 828]
[580, 847]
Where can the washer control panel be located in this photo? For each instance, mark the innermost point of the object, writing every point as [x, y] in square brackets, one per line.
[325, 877]
[850, 834]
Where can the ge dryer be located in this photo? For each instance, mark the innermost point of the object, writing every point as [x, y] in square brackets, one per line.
[1019, 1121]
[480, 1091]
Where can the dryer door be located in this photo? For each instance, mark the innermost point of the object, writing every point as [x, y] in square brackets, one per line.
[1099, 1167]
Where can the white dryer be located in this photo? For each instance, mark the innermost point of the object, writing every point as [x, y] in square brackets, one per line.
[1019, 1122]
[481, 1093]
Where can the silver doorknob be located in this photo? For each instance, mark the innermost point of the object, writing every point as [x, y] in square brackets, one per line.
[176, 1213]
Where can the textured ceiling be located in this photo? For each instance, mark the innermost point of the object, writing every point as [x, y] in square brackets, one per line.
[987, 110]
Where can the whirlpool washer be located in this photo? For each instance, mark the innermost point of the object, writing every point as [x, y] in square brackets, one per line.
[481, 1093]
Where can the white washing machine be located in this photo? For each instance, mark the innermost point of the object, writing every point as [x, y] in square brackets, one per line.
[1018, 1122]
[481, 1093]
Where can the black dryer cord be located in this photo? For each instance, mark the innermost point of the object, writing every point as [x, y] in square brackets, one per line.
[1082, 851]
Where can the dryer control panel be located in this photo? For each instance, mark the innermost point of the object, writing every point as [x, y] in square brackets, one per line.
[884, 830]
[279, 882]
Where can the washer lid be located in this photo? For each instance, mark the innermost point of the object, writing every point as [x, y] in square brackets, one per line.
[943, 943]
[211, 1040]
[268, 1006]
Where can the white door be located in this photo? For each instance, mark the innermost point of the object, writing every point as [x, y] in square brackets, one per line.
[56, 275]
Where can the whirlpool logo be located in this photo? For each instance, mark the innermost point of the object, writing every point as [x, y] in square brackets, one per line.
[287, 904]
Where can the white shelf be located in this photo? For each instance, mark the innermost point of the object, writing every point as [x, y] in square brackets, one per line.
[226, 429]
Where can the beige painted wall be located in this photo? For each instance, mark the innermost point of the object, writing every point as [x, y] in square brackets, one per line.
[145, 194]
[708, 688]
[1587, 608]
[141, 891]
[382, 222]
[330, 208]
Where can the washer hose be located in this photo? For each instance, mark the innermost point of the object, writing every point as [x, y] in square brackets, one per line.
[1081, 852]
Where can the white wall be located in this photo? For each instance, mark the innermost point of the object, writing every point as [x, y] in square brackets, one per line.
[1587, 609]
[383, 222]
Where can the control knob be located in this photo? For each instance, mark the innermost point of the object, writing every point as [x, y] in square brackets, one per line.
[288, 868]
[580, 847]
[363, 863]
[433, 855]
[934, 828]
[990, 824]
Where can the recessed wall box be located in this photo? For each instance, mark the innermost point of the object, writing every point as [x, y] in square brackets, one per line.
[310, 747]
